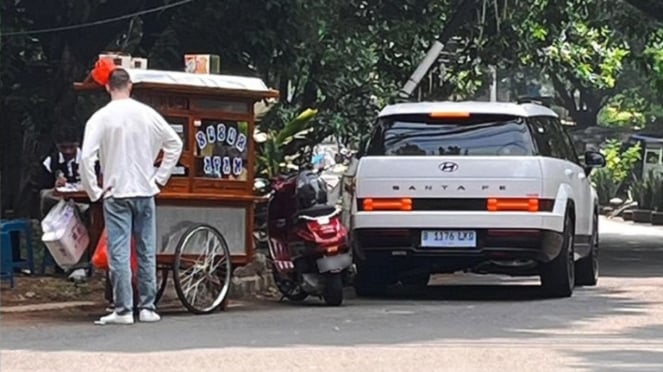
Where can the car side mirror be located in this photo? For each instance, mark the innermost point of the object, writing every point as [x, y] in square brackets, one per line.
[594, 160]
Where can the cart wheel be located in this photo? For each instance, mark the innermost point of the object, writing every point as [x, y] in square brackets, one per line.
[162, 281]
[202, 269]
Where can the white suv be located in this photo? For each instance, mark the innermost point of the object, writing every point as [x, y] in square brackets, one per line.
[483, 187]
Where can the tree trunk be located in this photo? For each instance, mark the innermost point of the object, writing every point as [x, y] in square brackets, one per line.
[585, 119]
[583, 110]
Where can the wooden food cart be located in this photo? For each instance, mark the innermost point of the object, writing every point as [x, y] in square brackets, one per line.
[205, 214]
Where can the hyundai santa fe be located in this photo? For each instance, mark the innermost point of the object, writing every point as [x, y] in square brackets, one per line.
[482, 187]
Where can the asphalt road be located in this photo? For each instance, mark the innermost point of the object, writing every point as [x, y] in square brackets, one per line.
[462, 323]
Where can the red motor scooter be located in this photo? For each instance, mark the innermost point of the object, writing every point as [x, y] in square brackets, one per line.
[307, 242]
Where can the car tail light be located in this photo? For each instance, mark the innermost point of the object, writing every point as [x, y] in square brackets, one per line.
[513, 205]
[387, 204]
[449, 115]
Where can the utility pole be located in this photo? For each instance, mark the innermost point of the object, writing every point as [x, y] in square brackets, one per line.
[454, 23]
[493, 85]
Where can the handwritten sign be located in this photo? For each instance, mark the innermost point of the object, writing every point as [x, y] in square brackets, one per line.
[221, 132]
[201, 140]
[222, 150]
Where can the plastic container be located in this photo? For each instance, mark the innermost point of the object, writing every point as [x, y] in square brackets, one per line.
[65, 236]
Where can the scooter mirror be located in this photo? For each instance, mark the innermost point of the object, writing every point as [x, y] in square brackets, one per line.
[260, 183]
[259, 137]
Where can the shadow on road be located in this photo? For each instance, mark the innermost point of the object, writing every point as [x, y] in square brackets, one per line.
[621, 361]
[477, 293]
[448, 313]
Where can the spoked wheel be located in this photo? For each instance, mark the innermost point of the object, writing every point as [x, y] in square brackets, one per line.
[202, 269]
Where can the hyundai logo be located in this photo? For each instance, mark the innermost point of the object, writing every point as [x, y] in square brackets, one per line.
[448, 167]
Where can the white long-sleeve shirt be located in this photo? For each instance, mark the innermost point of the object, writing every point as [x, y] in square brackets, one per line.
[126, 136]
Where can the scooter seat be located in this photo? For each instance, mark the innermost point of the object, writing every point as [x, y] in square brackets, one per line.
[315, 211]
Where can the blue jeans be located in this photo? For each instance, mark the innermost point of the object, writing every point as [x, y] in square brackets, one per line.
[126, 217]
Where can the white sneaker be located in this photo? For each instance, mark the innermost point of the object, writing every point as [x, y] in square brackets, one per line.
[115, 318]
[148, 316]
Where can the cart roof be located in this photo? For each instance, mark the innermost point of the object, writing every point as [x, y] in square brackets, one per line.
[183, 82]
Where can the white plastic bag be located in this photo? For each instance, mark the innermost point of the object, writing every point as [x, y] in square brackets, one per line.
[65, 236]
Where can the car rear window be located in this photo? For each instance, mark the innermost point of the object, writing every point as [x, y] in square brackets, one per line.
[478, 135]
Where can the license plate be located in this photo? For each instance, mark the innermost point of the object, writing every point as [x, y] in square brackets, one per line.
[449, 238]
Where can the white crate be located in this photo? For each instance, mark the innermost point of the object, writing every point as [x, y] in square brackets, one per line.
[120, 60]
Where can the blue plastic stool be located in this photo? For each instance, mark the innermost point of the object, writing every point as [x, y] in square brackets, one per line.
[10, 239]
[6, 259]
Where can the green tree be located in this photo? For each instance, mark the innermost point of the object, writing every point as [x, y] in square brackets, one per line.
[571, 44]
[346, 59]
[37, 72]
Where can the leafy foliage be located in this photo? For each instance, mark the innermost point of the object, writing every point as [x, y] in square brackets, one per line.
[646, 191]
[638, 193]
[619, 166]
[580, 56]
[278, 150]
[36, 76]
[606, 187]
[620, 162]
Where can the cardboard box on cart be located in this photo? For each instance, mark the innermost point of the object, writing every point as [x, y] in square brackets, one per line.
[202, 63]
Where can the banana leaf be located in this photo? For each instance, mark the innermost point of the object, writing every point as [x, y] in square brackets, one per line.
[295, 126]
[277, 151]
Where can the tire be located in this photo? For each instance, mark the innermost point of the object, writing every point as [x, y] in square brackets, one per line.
[558, 275]
[333, 292]
[587, 268]
[162, 283]
[288, 288]
[372, 280]
[214, 276]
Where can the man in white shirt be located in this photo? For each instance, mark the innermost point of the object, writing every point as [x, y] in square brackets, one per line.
[127, 137]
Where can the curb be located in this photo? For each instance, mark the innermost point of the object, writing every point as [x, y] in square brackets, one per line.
[240, 288]
[250, 286]
[249, 281]
[45, 307]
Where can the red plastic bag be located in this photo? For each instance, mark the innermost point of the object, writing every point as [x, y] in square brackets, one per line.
[100, 257]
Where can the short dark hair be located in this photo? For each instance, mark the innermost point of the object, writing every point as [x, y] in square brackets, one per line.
[119, 79]
[66, 135]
